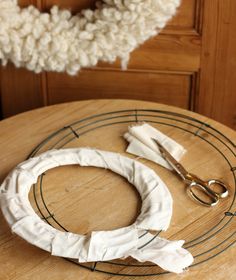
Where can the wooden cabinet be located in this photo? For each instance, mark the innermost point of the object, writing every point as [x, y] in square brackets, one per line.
[191, 64]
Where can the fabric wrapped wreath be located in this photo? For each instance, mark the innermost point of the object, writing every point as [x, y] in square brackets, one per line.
[156, 212]
[58, 41]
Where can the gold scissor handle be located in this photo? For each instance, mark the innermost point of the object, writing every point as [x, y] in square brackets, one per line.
[194, 182]
[222, 194]
[205, 187]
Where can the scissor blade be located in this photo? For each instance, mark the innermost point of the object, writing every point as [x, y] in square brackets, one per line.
[182, 172]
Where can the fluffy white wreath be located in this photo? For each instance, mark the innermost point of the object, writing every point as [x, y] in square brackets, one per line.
[61, 42]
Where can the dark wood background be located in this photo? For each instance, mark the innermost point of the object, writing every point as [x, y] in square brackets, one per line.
[192, 65]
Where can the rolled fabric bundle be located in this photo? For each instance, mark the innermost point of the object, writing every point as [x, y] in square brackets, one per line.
[140, 138]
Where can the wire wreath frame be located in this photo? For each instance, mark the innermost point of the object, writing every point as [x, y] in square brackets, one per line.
[193, 126]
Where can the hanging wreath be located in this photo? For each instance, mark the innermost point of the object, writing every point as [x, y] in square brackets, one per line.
[59, 41]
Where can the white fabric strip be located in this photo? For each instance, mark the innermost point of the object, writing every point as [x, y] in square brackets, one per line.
[155, 213]
[163, 252]
[141, 144]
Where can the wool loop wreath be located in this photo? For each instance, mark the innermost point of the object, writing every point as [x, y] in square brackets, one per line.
[59, 41]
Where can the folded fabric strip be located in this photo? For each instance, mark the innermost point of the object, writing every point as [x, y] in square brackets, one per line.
[141, 144]
[155, 213]
[164, 253]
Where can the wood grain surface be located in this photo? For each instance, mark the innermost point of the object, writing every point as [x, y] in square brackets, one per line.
[86, 199]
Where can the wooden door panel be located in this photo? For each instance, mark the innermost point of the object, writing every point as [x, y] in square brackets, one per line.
[176, 53]
[185, 18]
[190, 64]
[19, 88]
[217, 97]
[165, 67]
[164, 58]
[165, 53]
[164, 88]
[74, 6]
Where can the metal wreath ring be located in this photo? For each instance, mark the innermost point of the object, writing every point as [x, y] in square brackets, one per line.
[155, 213]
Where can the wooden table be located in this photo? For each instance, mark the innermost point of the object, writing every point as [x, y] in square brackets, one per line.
[85, 199]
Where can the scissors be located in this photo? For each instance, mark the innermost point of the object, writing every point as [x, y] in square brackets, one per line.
[194, 182]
